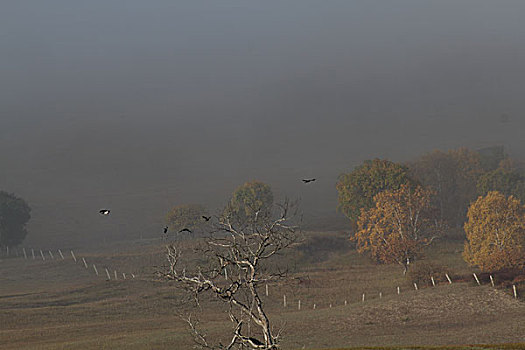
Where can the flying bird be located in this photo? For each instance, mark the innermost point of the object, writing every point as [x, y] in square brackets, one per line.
[165, 229]
[207, 218]
[104, 211]
[308, 180]
[185, 230]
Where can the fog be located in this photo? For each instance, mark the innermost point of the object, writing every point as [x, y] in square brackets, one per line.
[141, 105]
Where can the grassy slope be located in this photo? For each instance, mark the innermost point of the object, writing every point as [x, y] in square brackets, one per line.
[61, 305]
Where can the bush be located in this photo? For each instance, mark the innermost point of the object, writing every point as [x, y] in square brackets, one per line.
[504, 277]
[421, 272]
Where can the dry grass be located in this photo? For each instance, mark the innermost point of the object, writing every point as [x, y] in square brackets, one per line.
[61, 305]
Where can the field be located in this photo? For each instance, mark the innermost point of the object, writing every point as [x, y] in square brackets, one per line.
[59, 304]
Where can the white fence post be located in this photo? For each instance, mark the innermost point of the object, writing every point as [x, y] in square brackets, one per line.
[398, 290]
[51, 254]
[415, 285]
[433, 283]
[266, 289]
[448, 278]
[299, 305]
[25, 254]
[107, 273]
[85, 263]
[95, 268]
[116, 275]
[476, 277]
[123, 275]
[61, 255]
[491, 280]
[515, 291]
[42, 254]
[363, 297]
[284, 300]
[73, 255]
[380, 295]
[33, 253]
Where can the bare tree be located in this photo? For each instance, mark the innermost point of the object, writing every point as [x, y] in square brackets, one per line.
[236, 266]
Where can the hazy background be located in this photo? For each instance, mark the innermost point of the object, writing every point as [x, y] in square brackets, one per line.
[140, 105]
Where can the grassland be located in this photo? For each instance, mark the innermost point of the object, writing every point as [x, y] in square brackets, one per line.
[57, 304]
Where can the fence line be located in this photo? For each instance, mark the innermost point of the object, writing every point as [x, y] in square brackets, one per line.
[432, 280]
[9, 253]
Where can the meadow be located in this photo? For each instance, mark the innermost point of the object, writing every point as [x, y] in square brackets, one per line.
[60, 304]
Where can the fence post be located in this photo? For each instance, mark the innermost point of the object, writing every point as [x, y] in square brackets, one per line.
[491, 280]
[73, 255]
[116, 275]
[433, 283]
[123, 275]
[415, 285]
[61, 255]
[380, 295]
[314, 306]
[95, 268]
[25, 254]
[448, 278]
[107, 273]
[51, 254]
[42, 254]
[299, 305]
[515, 291]
[85, 263]
[266, 289]
[363, 297]
[33, 253]
[284, 300]
[476, 277]
[398, 291]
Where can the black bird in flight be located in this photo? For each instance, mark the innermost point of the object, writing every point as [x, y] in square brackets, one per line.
[166, 229]
[207, 218]
[308, 180]
[104, 211]
[185, 230]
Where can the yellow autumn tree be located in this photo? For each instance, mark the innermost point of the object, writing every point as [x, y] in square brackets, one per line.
[495, 232]
[396, 229]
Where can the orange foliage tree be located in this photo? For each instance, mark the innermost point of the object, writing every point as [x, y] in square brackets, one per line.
[396, 229]
[358, 188]
[495, 232]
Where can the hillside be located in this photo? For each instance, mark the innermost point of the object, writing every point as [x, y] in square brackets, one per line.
[59, 304]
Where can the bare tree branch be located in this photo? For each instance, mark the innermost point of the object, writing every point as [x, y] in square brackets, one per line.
[233, 273]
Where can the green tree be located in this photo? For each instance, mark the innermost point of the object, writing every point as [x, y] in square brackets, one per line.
[358, 188]
[491, 157]
[187, 216]
[495, 232]
[14, 214]
[504, 180]
[250, 201]
[452, 176]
